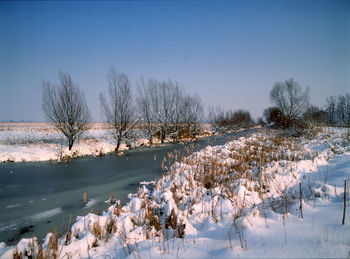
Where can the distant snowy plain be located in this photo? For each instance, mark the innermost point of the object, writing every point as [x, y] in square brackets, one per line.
[25, 142]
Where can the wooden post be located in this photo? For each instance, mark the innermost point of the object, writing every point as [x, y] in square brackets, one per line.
[84, 198]
[112, 199]
[301, 201]
[343, 222]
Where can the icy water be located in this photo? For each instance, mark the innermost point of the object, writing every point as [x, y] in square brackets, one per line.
[38, 197]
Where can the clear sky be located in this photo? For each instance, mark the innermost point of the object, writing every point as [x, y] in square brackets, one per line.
[229, 52]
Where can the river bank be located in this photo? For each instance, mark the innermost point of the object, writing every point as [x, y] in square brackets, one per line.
[28, 142]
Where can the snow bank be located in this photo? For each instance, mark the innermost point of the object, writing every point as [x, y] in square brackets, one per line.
[41, 142]
[25, 142]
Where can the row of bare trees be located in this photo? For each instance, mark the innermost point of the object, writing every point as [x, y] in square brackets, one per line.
[226, 120]
[167, 110]
[163, 108]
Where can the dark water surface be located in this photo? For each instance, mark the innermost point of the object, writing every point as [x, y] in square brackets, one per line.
[36, 197]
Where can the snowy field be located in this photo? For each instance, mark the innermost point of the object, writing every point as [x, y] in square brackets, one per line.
[24, 142]
[236, 200]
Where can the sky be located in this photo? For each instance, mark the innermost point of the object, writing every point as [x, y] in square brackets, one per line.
[229, 52]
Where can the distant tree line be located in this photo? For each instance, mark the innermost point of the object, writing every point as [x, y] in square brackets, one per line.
[227, 120]
[292, 108]
[164, 109]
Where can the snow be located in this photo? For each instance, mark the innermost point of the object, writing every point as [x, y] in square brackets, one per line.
[240, 199]
[25, 142]
[90, 203]
[41, 142]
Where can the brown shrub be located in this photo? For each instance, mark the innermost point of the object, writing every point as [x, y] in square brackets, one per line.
[171, 220]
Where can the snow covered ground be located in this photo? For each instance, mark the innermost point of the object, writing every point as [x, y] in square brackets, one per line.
[24, 142]
[236, 200]
[20, 142]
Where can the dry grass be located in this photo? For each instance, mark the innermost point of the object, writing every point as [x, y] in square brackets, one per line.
[118, 209]
[171, 220]
[152, 219]
[211, 172]
[96, 230]
[35, 249]
[248, 166]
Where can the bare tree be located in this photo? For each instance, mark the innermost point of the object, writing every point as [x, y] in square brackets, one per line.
[146, 106]
[331, 104]
[65, 105]
[193, 113]
[177, 95]
[216, 117]
[341, 110]
[338, 109]
[347, 110]
[156, 105]
[118, 110]
[163, 107]
[291, 99]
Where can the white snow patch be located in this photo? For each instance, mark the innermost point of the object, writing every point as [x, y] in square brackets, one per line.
[90, 203]
[11, 206]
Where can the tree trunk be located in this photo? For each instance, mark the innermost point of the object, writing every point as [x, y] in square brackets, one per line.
[70, 143]
[162, 136]
[118, 142]
[150, 138]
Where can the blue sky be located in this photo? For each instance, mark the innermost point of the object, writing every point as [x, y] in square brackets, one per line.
[229, 52]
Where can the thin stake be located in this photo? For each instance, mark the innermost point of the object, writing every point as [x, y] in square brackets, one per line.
[343, 222]
[301, 201]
